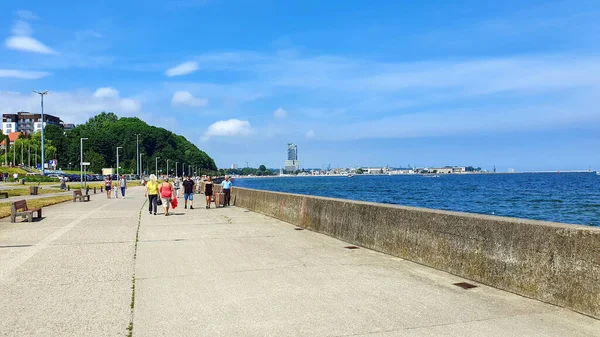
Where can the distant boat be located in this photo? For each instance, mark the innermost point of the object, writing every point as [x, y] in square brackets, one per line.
[598, 173]
[431, 176]
[350, 175]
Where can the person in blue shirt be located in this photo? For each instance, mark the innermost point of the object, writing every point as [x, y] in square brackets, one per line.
[226, 184]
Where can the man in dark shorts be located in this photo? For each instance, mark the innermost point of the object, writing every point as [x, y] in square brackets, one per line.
[226, 184]
[188, 191]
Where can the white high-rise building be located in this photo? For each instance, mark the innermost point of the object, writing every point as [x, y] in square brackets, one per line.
[292, 164]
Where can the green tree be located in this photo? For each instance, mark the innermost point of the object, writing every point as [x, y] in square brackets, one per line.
[96, 160]
[106, 131]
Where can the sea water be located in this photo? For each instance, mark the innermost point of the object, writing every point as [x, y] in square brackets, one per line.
[566, 197]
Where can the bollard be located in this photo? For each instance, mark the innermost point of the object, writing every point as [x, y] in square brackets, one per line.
[94, 189]
[101, 189]
[87, 190]
[68, 187]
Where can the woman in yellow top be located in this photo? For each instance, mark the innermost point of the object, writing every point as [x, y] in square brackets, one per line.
[152, 194]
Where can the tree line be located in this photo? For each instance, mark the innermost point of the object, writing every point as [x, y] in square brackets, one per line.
[105, 132]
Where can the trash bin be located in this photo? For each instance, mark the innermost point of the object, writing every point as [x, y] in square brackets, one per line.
[33, 190]
[22, 181]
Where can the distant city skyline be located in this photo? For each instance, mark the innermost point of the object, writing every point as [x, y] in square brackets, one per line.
[476, 82]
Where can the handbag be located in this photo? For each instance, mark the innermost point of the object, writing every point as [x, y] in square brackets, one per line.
[159, 201]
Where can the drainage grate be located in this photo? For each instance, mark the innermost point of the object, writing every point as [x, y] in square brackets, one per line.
[351, 247]
[299, 228]
[465, 285]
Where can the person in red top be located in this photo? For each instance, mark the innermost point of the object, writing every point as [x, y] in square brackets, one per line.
[166, 193]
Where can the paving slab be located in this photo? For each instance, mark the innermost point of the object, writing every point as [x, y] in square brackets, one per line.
[70, 274]
[230, 272]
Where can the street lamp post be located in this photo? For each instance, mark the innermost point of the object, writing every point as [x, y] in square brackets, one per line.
[137, 157]
[183, 170]
[167, 168]
[156, 165]
[176, 172]
[42, 96]
[80, 162]
[141, 167]
[118, 147]
[117, 190]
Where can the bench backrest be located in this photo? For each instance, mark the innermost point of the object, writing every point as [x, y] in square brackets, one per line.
[20, 205]
[76, 193]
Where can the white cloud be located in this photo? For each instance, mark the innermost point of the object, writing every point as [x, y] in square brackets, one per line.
[26, 75]
[310, 134]
[228, 128]
[29, 44]
[186, 98]
[73, 106]
[106, 93]
[111, 97]
[26, 15]
[280, 113]
[129, 105]
[182, 69]
[22, 40]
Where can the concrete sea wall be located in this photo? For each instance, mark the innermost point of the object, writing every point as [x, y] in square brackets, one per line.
[551, 262]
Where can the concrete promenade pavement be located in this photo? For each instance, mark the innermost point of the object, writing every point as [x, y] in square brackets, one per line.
[231, 272]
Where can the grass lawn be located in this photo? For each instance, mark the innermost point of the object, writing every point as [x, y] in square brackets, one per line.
[32, 183]
[12, 170]
[35, 203]
[25, 191]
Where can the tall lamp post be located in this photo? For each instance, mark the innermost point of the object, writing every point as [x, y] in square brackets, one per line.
[118, 147]
[156, 166]
[141, 167]
[137, 157]
[167, 168]
[176, 173]
[80, 162]
[42, 96]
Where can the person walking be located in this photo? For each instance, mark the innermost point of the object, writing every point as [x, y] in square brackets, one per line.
[115, 187]
[152, 194]
[107, 186]
[166, 193]
[123, 184]
[208, 191]
[177, 186]
[188, 192]
[226, 185]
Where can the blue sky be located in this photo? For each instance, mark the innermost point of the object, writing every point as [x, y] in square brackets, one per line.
[514, 84]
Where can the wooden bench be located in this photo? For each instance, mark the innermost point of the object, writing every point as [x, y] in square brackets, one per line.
[4, 194]
[19, 207]
[80, 196]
